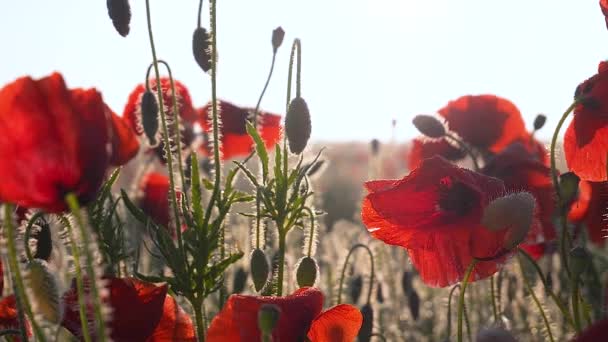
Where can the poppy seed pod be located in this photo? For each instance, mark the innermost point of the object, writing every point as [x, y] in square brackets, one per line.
[259, 269]
[375, 146]
[149, 116]
[579, 261]
[429, 126]
[297, 125]
[539, 121]
[268, 317]
[44, 291]
[120, 13]
[44, 242]
[514, 212]
[365, 333]
[379, 293]
[413, 301]
[277, 38]
[406, 282]
[200, 48]
[240, 279]
[306, 273]
[354, 288]
[568, 186]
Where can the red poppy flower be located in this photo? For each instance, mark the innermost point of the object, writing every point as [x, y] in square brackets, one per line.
[235, 140]
[520, 169]
[422, 149]
[596, 332]
[486, 122]
[435, 213]
[9, 318]
[53, 141]
[604, 7]
[586, 139]
[591, 209]
[536, 251]
[137, 309]
[175, 325]
[124, 142]
[155, 201]
[132, 111]
[300, 316]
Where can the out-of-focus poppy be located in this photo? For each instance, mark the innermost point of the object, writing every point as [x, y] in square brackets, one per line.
[140, 312]
[591, 209]
[435, 213]
[53, 141]
[586, 139]
[421, 149]
[594, 333]
[300, 316]
[233, 132]
[535, 250]
[487, 122]
[520, 169]
[155, 201]
[124, 141]
[9, 318]
[604, 7]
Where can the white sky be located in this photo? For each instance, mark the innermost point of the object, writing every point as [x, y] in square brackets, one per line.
[365, 62]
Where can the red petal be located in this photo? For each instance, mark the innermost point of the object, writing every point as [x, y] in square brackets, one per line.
[597, 332]
[8, 315]
[591, 208]
[155, 202]
[124, 142]
[536, 251]
[587, 160]
[422, 149]
[501, 121]
[338, 324]
[175, 324]
[237, 322]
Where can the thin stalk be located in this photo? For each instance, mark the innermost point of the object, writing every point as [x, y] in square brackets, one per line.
[199, 318]
[464, 283]
[312, 230]
[72, 202]
[536, 301]
[371, 275]
[257, 106]
[560, 123]
[493, 299]
[576, 312]
[281, 261]
[466, 148]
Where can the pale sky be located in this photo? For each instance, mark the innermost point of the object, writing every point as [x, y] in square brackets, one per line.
[365, 62]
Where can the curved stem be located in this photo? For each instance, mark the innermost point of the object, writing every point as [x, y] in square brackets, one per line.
[493, 299]
[457, 286]
[28, 234]
[466, 148]
[296, 47]
[311, 239]
[536, 301]
[257, 106]
[371, 276]
[200, 12]
[576, 312]
[281, 262]
[464, 283]
[552, 150]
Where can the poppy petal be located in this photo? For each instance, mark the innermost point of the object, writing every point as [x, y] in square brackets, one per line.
[338, 324]
[175, 324]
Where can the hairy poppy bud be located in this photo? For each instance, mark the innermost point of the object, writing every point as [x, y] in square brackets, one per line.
[354, 288]
[240, 279]
[120, 13]
[494, 334]
[314, 168]
[579, 261]
[514, 212]
[259, 269]
[568, 186]
[44, 242]
[200, 48]
[375, 146]
[365, 333]
[277, 38]
[306, 273]
[429, 126]
[44, 291]
[149, 116]
[539, 121]
[406, 282]
[379, 293]
[268, 317]
[413, 301]
[297, 125]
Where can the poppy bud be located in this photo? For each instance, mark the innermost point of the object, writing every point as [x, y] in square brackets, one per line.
[306, 273]
[44, 291]
[240, 279]
[413, 301]
[539, 121]
[259, 269]
[365, 333]
[44, 242]
[297, 125]
[514, 212]
[429, 126]
[268, 317]
[406, 282]
[354, 288]
[318, 165]
[494, 334]
[579, 261]
[149, 116]
[200, 48]
[549, 281]
[379, 293]
[375, 146]
[568, 186]
[120, 13]
[277, 38]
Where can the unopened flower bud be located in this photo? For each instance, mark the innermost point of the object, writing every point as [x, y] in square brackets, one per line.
[297, 125]
[259, 269]
[365, 333]
[379, 293]
[375, 146]
[494, 334]
[200, 48]
[514, 212]
[316, 167]
[354, 288]
[406, 282]
[277, 38]
[268, 317]
[568, 186]
[429, 126]
[149, 116]
[306, 273]
[44, 241]
[240, 279]
[413, 301]
[579, 261]
[44, 291]
[120, 13]
[539, 121]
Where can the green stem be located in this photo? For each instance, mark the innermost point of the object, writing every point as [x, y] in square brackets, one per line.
[82, 305]
[281, 261]
[257, 106]
[28, 234]
[552, 151]
[72, 202]
[536, 301]
[311, 239]
[466, 148]
[493, 299]
[371, 275]
[576, 312]
[199, 318]
[464, 283]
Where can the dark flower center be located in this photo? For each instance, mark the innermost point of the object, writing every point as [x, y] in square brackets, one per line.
[456, 197]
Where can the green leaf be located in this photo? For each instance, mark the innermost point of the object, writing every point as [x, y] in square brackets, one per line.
[259, 148]
[133, 209]
[207, 184]
[197, 198]
[248, 173]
